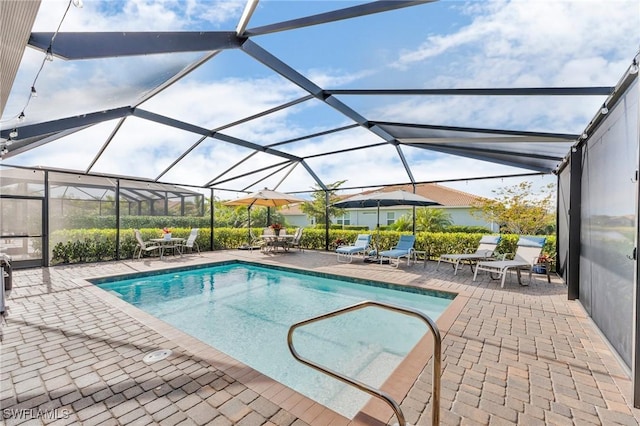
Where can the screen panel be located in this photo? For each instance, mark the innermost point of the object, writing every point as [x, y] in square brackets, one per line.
[562, 241]
[608, 226]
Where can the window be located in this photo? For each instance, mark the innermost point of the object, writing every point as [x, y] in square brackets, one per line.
[344, 219]
[391, 218]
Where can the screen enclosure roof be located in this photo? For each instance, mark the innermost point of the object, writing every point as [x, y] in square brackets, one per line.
[285, 95]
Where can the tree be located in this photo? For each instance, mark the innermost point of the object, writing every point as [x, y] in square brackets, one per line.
[403, 223]
[427, 220]
[318, 209]
[432, 220]
[518, 210]
[237, 217]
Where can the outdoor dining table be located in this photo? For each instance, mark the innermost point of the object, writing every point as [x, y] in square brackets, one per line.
[173, 243]
[274, 241]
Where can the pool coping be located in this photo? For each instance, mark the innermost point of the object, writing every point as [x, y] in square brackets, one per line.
[373, 412]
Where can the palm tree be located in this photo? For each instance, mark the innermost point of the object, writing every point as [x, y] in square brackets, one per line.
[403, 223]
[432, 220]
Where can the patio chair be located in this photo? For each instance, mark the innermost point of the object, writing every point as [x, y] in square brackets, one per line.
[361, 245]
[485, 250]
[297, 237]
[527, 254]
[191, 243]
[404, 248]
[142, 246]
[268, 239]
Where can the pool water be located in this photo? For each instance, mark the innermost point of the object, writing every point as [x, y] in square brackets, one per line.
[245, 311]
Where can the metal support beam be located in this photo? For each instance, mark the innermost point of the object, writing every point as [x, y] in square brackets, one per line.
[326, 220]
[117, 219]
[94, 45]
[575, 219]
[335, 15]
[512, 91]
[45, 221]
[212, 220]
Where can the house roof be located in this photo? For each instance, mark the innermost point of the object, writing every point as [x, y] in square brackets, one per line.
[291, 210]
[447, 197]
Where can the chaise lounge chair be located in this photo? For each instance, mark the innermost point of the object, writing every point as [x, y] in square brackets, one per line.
[485, 250]
[527, 254]
[345, 253]
[404, 248]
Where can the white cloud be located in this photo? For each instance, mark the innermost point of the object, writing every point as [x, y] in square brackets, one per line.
[537, 31]
[138, 15]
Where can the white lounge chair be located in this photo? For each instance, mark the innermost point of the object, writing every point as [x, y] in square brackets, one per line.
[527, 254]
[361, 245]
[404, 248]
[485, 250]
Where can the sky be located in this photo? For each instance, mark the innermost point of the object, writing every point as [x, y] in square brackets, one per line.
[445, 44]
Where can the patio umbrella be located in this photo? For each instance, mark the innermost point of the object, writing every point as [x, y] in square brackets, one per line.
[265, 197]
[385, 199]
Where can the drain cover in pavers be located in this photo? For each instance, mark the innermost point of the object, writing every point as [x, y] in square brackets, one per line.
[156, 356]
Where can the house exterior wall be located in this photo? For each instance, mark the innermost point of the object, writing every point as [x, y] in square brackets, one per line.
[297, 220]
[462, 216]
[368, 217]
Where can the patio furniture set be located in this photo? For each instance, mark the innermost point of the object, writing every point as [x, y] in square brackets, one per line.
[167, 243]
[270, 242]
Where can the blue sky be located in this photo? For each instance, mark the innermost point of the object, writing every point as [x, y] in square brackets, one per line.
[446, 44]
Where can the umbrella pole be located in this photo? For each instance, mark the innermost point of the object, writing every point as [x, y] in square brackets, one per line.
[413, 225]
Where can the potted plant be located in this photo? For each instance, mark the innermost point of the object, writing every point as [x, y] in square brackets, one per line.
[166, 233]
[276, 228]
[542, 263]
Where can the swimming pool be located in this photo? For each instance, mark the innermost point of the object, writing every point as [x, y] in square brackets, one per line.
[245, 311]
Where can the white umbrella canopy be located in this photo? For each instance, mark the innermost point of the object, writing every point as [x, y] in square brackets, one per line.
[265, 197]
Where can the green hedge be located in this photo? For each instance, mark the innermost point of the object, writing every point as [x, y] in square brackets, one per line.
[469, 229]
[344, 227]
[91, 245]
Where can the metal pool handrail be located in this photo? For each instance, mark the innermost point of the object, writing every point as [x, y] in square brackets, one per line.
[378, 393]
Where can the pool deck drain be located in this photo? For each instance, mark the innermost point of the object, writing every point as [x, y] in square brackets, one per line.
[518, 355]
[156, 356]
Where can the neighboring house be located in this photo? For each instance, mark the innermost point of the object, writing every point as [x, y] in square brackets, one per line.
[294, 216]
[456, 203]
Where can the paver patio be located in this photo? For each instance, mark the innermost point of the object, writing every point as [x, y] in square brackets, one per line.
[518, 355]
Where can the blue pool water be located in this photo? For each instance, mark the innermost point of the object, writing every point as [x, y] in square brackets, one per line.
[246, 310]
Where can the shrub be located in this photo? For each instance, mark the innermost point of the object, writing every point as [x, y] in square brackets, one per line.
[93, 245]
[468, 229]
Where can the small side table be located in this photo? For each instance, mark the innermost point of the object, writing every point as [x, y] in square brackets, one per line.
[547, 268]
[421, 255]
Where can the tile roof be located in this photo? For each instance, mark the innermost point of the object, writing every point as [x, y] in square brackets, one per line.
[291, 209]
[447, 197]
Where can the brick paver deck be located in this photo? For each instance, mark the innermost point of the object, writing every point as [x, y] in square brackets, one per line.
[72, 354]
